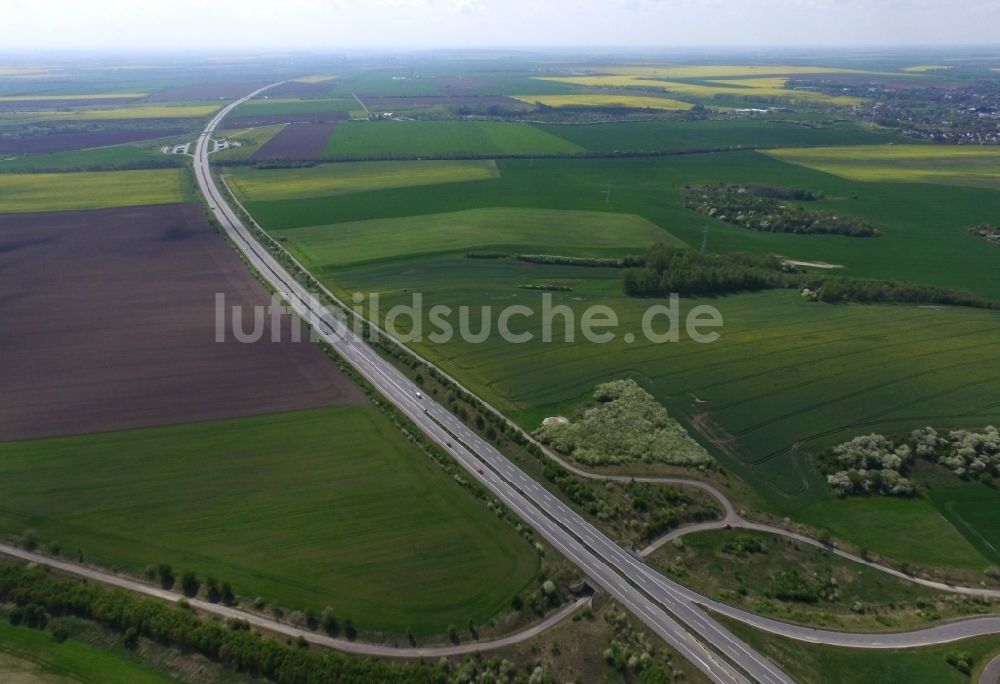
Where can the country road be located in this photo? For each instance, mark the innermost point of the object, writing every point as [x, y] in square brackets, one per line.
[991, 675]
[344, 645]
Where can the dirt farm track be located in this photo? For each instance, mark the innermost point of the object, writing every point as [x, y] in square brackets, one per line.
[107, 321]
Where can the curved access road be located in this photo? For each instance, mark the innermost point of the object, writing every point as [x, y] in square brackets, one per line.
[345, 645]
[733, 519]
[991, 675]
[772, 529]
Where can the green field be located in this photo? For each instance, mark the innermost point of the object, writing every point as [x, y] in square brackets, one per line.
[29, 656]
[712, 134]
[788, 378]
[255, 185]
[115, 155]
[328, 507]
[605, 100]
[946, 164]
[814, 664]
[91, 190]
[924, 236]
[142, 111]
[401, 139]
[906, 530]
[535, 231]
[972, 507]
[748, 89]
[251, 140]
[266, 107]
[89, 96]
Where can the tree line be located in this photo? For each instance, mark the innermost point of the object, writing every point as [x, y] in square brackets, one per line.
[668, 270]
[759, 207]
[37, 595]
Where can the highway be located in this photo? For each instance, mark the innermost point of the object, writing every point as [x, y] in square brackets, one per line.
[719, 654]
[671, 610]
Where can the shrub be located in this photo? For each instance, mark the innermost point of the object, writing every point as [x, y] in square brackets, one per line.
[628, 424]
[758, 208]
[190, 583]
[328, 621]
[961, 661]
[670, 270]
[744, 544]
[789, 585]
[29, 540]
[212, 591]
[873, 464]
[166, 575]
[60, 633]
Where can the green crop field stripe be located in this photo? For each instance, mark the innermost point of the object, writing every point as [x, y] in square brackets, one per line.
[294, 106]
[146, 152]
[533, 231]
[946, 164]
[388, 139]
[91, 190]
[255, 185]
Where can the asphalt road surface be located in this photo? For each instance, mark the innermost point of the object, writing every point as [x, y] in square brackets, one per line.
[991, 675]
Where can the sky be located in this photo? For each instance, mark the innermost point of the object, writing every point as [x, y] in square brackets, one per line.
[340, 24]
